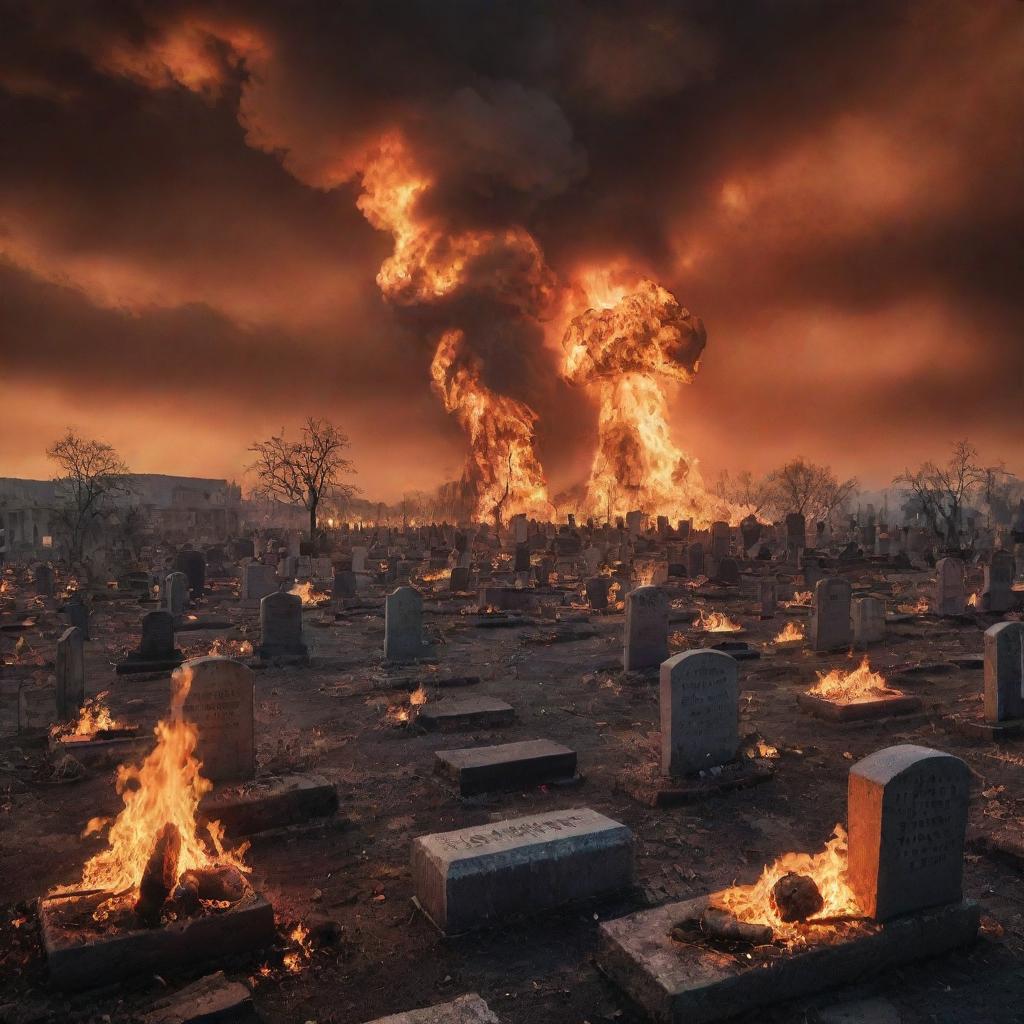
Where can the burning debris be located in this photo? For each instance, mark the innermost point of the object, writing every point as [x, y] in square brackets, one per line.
[716, 622]
[792, 633]
[858, 686]
[311, 597]
[801, 599]
[404, 712]
[94, 721]
[919, 607]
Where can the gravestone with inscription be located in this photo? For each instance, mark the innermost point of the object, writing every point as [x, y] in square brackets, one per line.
[218, 696]
[403, 625]
[475, 876]
[830, 615]
[646, 630]
[1004, 672]
[70, 672]
[907, 808]
[949, 587]
[699, 699]
[281, 627]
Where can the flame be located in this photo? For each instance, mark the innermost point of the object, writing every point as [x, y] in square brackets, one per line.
[854, 687]
[293, 961]
[752, 904]
[624, 345]
[801, 599]
[433, 577]
[310, 596]
[790, 633]
[93, 717]
[918, 607]
[165, 788]
[716, 622]
[418, 697]
[502, 468]
[405, 712]
[974, 601]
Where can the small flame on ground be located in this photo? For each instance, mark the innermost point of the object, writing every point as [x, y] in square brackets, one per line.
[93, 717]
[406, 711]
[801, 599]
[790, 633]
[296, 959]
[716, 622]
[974, 601]
[309, 594]
[854, 687]
[918, 607]
[752, 904]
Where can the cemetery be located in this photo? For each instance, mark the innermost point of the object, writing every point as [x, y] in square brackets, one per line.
[511, 513]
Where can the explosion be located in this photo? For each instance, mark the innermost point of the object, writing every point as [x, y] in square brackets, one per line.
[752, 904]
[854, 687]
[625, 347]
[502, 468]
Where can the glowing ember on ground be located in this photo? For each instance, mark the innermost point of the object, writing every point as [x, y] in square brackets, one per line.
[164, 790]
[716, 622]
[792, 632]
[854, 687]
[94, 717]
[310, 596]
[918, 607]
[405, 712]
[294, 960]
[801, 599]
[752, 904]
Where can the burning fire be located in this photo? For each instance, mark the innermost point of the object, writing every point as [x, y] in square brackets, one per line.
[310, 596]
[402, 714]
[801, 599]
[502, 467]
[974, 601]
[790, 633]
[164, 790]
[625, 345]
[93, 717]
[854, 687]
[918, 607]
[752, 904]
[716, 622]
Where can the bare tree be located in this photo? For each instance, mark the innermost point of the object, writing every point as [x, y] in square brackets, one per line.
[805, 487]
[744, 489]
[90, 475]
[306, 471]
[942, 491]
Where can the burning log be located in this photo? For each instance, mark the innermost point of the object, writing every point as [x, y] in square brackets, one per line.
[160, 875]
[796, 897]
[719, 924]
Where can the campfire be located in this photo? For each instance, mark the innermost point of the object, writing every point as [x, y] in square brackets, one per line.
[94, 722]
[856, 687]
[791, 633]
[801, 599]
[799, 896]
[157, 866]
[406, 711]
[716, 622]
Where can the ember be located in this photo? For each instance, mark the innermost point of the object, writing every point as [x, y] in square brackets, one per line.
[854, 687]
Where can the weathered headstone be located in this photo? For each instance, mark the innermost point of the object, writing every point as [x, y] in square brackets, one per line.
[796, 533]
[830, 615]
[281, 627]
[592, 558]
[597, 589]
[699, 698]
[949, 587]
[44, 580]
[258, 580]
[175, 594]
[695, 560]
[157, 636]
[768, 596]
[635, 522]
[810, 565]
[460, 579]
[77, 613]
[728, 572]
[646, 632]
[359, 558]
[720, 540]
[344, 585]
[193, 565]
[907, 809]
[403, 625]
[868, 615]
[1004, 671]
[997, 593]
[70, 673]
[220, 700]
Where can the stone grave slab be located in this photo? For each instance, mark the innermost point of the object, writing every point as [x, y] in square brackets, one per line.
[883, 707]
[476, 712]
[676, 983]
[506, 765]
[468, 1009]
[270, 801]
[205, 1001]
[476, 876]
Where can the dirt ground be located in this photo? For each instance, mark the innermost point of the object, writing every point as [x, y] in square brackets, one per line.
[330, 717]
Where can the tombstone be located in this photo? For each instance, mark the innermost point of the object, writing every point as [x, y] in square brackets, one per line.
[699, 698]
[646, 631]
[44, 580]
[522, 558]
[728, 572]
[768, 596]
[519, 528]
[1004, 671]
[811, 567]
[635, 523]
[695, 560]
[175, 594]
[460, 579]
[907, 809]
[193, 565]
[721, 537]
[592, 558]
[542, 572]
[258, 580]
[403, 625]
[796, 533]
[997, 593]
[344, 585]
[359, 559]
[77, 613]
[220, 700]
[157, 637]
[830, 615]
[281, 627]
[243, 547]
[868, 615]
[949, 587]
[597, 588]
[70, 672]
[750, 530]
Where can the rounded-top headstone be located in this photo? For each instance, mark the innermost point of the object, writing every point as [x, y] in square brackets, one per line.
[646, 632]
[403, 624]
[907, 808]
